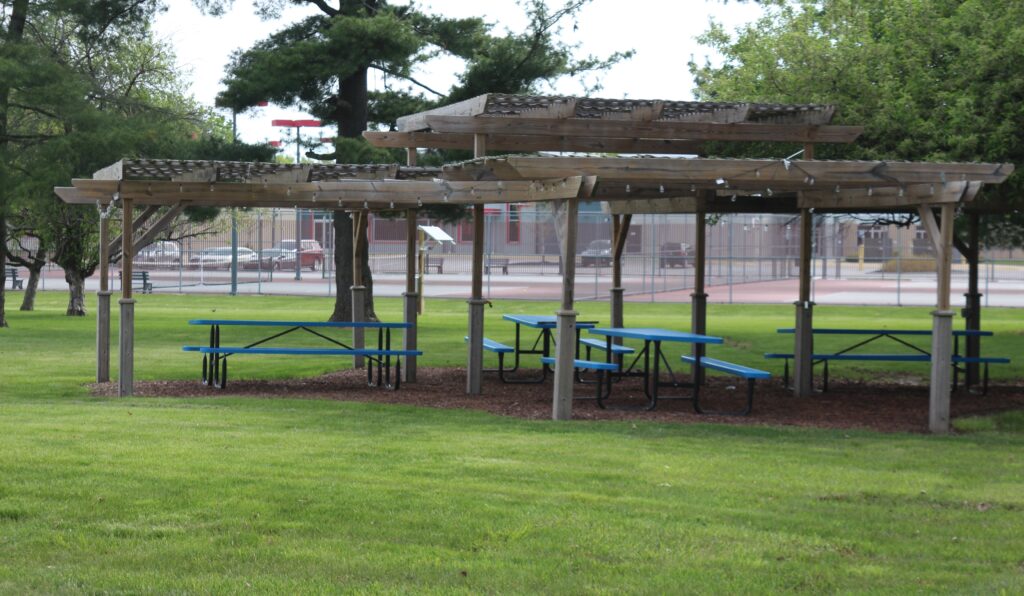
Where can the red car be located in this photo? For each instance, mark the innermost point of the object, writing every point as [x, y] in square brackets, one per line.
[311, 254]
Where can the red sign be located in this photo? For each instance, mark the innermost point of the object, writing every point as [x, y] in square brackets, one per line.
[296, 123]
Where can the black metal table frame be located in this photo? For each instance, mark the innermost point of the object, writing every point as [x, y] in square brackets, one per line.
[651, 378]
[547, 340]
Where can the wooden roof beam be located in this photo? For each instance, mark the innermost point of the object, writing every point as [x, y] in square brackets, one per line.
[529, 143]
[662, 129]
[328, 195]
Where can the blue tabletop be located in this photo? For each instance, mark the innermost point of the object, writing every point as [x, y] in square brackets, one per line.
[544, 321]
[342, 324]
[822, 330]
[652, 334]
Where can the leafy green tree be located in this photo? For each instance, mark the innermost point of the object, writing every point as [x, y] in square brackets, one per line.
[935, 80]
[321, 63]
[85, 98]
[39, 94]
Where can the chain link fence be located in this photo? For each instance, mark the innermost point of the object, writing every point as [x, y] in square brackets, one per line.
[521, 247]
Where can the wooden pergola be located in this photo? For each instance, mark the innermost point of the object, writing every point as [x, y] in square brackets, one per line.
[630, 185]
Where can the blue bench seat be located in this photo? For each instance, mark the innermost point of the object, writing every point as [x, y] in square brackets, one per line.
[602, 345]
[728, 367]
[585, 364]
[956, 361]
[498, 348]
[603, 369]
[746, 372]
[494, 346]
[301, 351]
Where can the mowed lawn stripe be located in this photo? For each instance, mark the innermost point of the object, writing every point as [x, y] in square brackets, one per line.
[232, 494]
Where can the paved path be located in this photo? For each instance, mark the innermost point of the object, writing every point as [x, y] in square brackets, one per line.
[856, 289]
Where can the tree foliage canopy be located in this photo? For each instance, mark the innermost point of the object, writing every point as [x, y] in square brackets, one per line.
[932, 80]
[303, 64]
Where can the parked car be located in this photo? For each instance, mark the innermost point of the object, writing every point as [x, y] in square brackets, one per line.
[164, 252]
[674, 254]
[310, 255]
[220, 258]
[597, 254]
[271, 258]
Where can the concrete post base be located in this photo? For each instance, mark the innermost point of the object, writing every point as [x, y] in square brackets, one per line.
[942, 348]
[564, 369]
[126, 371]
[103, 336]
[410, 303]
[698, 324]
[803, 350]
[358, 316]
[475, 357]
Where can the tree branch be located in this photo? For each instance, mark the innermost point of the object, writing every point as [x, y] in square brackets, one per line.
[407, 78]
[324, 7]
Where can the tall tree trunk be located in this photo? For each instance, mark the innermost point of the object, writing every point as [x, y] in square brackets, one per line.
[3, 263]
[15, 31]
[28, 301]
[342, 267]
[76, 293]
[353, 100]
[35, 268]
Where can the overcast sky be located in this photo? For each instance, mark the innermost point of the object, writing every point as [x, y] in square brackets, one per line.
[662, 32]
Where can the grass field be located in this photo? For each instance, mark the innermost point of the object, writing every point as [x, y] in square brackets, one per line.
[231, 495]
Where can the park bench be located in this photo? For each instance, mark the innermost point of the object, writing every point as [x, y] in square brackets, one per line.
[603, 370]
[500, 349]
[214, 366]
[437, 263]
[16, 282]
[750, 374]
[497, 263]
[986, 360]
[597, 344]
[142, 277]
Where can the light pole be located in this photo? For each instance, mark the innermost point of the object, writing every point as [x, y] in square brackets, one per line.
[298, 125]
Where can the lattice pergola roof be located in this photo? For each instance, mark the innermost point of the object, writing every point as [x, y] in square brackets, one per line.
[665, 184]
[517, 123]
[156, 182]
[244, 171]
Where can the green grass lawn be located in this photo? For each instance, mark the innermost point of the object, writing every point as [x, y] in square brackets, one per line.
[229, 494]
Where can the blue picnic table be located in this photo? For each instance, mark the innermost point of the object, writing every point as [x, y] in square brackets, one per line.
[545, 326]
[653, 358]
[915, 353]
[215, 355]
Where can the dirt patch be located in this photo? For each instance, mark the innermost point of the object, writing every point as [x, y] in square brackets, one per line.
[891, 405]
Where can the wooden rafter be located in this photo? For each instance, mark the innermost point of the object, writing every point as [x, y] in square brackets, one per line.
[340, 194]
[528, 143]
[661, 129]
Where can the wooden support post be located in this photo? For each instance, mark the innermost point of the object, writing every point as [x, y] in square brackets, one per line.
[803, 349]
[103, 301]
[972, 308]
[566, 317]
[358, 289]
[126, 371]
[699, 297]
[942, 319]
[475, 356]
[620, 232]
[410, 299]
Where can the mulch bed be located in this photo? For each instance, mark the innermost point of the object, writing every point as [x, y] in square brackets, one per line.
[890, 405]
